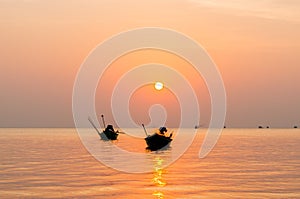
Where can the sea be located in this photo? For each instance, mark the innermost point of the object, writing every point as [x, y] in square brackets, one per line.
[55, 163]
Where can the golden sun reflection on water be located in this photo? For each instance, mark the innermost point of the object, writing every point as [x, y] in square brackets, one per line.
[158, 178]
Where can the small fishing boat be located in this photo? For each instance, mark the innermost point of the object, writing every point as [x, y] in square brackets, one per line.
[108, 133]
[158, 140]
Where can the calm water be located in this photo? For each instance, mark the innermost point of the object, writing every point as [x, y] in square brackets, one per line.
[246, 163]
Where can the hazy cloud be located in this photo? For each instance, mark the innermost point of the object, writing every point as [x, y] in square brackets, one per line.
[269, 9]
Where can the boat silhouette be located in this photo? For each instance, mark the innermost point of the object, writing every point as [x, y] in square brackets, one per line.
[158, 140]
[108, 133]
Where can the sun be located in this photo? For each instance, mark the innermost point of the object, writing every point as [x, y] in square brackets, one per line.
[158, 86]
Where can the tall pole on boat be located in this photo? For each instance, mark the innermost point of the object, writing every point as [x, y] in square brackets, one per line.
[103, 120]
[92, 123]
[145, 130]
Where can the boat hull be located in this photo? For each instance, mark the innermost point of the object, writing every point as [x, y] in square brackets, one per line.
[108, 135]
[156, 142]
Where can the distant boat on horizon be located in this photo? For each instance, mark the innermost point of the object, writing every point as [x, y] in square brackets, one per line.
[197, 126]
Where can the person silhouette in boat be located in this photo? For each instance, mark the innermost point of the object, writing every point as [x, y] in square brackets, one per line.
[162, 131]
[109, 129]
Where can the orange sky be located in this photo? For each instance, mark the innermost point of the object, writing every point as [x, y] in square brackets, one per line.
[255, 44]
